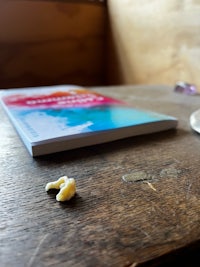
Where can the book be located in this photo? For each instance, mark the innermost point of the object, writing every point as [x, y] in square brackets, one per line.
[64, 117]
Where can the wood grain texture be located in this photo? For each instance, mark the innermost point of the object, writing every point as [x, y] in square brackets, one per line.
[51, 42]
[154, 42]
[109, 222]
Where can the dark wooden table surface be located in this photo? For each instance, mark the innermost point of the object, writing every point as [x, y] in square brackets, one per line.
[109, 222]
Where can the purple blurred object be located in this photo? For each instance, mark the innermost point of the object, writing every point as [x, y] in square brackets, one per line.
[185, 88]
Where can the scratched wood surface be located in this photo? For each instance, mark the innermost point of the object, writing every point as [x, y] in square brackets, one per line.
[51, 41]
[109, 222]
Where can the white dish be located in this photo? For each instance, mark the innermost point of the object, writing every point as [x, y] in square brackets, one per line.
[195, 120]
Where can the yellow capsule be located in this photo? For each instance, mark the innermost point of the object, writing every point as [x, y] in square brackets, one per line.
[67, 188]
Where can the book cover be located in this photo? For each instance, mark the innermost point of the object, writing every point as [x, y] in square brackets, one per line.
[57, 118]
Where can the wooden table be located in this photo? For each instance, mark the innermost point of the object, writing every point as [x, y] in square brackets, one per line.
[109, 222]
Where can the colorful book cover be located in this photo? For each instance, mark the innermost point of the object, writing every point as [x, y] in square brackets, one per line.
[47, 115]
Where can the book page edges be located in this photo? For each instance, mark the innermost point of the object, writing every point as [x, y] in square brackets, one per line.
[100, 137]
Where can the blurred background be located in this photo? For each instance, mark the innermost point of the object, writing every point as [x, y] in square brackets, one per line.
[91, 43]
